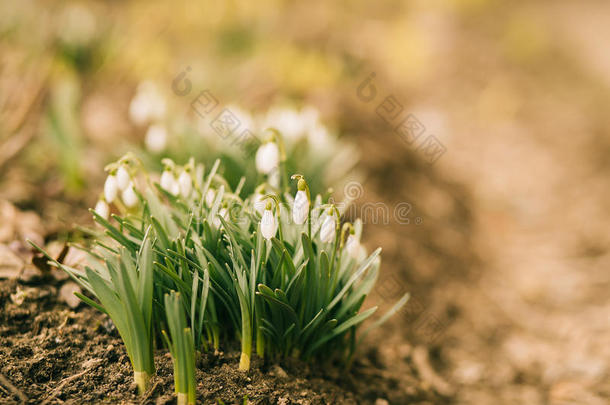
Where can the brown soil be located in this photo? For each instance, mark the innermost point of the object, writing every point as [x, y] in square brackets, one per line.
[52, 354]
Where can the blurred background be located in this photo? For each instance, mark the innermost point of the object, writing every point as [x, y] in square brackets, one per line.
[488, 120]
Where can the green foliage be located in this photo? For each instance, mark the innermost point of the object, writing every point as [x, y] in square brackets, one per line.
[186, 262]
[182, 348]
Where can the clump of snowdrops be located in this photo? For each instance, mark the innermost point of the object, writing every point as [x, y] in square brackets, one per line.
[308, 144]
[182, 258]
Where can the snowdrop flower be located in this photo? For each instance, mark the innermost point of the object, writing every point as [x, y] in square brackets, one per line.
[210, 196]
[300, 207]
[148, 104]
[111, 188]
[186, 184]
[267, 157]
[129, 196]
[268, 223]
[328, 229]
[102, 209]
[123, 178]
[156, 138]
[352, 246]
[168, 181]
[286, 120]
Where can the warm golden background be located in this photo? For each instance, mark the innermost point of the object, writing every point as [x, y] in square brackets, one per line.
[509, 268]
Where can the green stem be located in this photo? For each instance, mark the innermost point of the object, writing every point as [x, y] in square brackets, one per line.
[142, 378]
[246, 344]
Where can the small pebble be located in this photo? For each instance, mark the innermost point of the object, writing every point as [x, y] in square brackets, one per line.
[66, 294]
[278, 372]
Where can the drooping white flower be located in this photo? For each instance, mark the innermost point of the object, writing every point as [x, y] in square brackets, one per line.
[210, 196]
[186, 184]
[156, 138]
[352, 246]
[129, 196]
[328, 229]
[111, 188]
[148, 104]
[102, 209]
[122, 177]
[300, 207]
[267, 157]
[286, 120]
[168, 181]
[268, 224]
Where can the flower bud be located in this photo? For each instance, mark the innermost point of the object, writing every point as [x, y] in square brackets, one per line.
[129, 196]
[328, 229]
[156, 138]
[102, 209]
[268, 223]
[186, 184]
[352, 246]
[300, 207]
[122, 177]
[267, 157]
[168, 181]
[111, 188]
[147, 105]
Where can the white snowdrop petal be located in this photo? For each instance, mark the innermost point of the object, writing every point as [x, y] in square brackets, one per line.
[268, 225]
[167, 181]
[300, 207]
[111, 188]
[102, 209]
[287, 120]
[328, 229]
[156, 138]
[186, 184]
[352, 246]
[129, 196]
[122, 177]
[175, 189]
[267, 157]
[138, 110]
[148, 104]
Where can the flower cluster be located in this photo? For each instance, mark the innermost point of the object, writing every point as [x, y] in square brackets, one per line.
[308, 144]
[188, 254]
